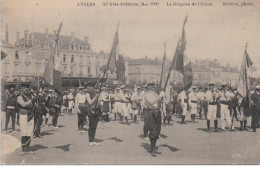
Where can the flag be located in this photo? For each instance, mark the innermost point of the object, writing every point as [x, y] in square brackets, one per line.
[244, 79]
[187, 76]
[120, 69]
[111, 64]
[163, 71]
[178, 57]
[52, 72]
[3, 55]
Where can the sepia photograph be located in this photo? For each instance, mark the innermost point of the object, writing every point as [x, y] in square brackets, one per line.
[130, 82]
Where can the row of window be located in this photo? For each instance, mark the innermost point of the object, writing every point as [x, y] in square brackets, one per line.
[72, 58]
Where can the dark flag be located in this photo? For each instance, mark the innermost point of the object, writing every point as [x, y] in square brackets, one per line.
[178, 58]
[120, 69]
[52, 72]
[187, 77]
[244, 79]
[113, 53]
[3, 55]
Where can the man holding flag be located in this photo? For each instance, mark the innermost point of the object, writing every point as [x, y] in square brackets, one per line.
[244, 87]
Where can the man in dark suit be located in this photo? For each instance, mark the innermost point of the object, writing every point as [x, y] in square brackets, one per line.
[255, 107]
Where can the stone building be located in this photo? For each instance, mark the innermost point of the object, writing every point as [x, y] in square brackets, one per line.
[145, 69]
[28, 57]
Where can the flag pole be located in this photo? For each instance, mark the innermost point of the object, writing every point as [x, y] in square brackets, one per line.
[168, 76]
[101, 83]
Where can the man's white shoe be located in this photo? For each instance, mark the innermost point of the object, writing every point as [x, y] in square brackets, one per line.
[96, 144]
[91, 144]
[146, 138]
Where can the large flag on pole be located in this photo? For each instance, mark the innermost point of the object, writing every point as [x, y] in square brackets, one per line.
[187, 76]
[52, 72]
[113, 53]
[178, 58]
[244, 78]
[120, 69]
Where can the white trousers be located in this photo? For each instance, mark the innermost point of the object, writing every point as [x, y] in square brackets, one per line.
[242, 114]
[225, 114]
[184, 108]
[117, 107]
[25, 126]
[124, 110]
[212, 112]
[193, 108]
[71, 104]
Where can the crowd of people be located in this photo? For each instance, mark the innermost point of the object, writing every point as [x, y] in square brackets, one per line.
[31, 109]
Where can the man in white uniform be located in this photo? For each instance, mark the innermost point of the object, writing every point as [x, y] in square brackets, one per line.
[210, 98]
[225, 98]
[193, 101]
[182, 97]
[81, 108]
[71, 101]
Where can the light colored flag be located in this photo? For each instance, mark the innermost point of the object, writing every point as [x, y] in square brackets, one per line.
[244, 77]
[52, 72]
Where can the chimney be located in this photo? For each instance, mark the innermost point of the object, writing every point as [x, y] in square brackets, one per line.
[46, 33]
[6, 33]
[86, 39]
[17, 36]
[72, 36]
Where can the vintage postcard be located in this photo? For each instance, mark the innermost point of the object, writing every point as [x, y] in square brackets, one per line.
[145, 82]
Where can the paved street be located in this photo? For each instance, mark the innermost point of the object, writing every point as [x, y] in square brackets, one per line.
[124, 144]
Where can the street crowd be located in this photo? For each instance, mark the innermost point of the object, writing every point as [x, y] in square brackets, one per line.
[31, 109]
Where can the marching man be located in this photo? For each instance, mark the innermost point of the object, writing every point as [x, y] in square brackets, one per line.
[151, 100]
[193, 103]
[182, 97]
[70, 101]
[25, 106]
[211, 98]
[81, 108]
[225, 98]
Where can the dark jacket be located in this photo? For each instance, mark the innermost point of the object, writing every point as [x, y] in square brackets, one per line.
[256, 101]
[4, 98]
[55, 104]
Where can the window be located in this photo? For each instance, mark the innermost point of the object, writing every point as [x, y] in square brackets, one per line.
[89, 70]
[80, 48]
[72, 47]
[87, 48]
[64, 58]
[72, 58]
[16, 55]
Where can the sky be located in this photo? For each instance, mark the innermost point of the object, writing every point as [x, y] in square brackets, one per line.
[212, 32]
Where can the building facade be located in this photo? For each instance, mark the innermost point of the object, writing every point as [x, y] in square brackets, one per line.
[204, 71]
[28, 57]
[145, 69]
